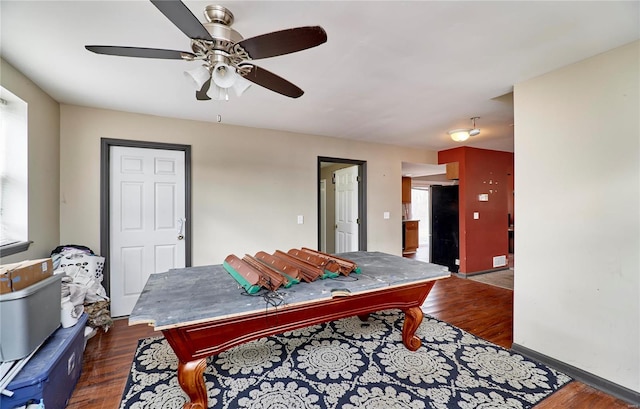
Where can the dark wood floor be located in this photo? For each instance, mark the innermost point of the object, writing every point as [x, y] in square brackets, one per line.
[478, 308]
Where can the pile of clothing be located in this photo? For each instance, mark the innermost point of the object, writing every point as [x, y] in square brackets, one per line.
[82, 289]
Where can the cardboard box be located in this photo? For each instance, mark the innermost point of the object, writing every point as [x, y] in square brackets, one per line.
[18, 276]
[5, 284]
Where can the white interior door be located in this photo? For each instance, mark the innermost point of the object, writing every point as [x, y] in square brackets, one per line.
[147, 217]
[346, 209]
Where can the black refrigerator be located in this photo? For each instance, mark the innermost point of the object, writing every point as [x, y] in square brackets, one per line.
[444, 226]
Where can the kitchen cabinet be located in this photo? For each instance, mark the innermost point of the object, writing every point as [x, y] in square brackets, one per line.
[453, 170]
[406, 190]
[409, 236]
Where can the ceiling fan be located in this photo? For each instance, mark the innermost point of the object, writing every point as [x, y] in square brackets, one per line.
[226, 57]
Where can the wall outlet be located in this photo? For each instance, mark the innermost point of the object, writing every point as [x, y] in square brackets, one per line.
[386, 215]
[457, 262]
[300, 219]
[476, 215]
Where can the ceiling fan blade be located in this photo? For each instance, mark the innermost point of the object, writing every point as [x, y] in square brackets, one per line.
[202, 94]
[140, 52]
[271, 81]
[283, 42]
[183, 18]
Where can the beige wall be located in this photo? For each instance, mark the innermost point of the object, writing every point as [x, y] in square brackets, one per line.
[249, 185]
[577, 159]
[44, 159]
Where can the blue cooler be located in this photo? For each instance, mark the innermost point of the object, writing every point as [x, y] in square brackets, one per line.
[52, 373]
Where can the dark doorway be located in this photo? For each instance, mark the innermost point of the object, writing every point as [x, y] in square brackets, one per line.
[444, 248]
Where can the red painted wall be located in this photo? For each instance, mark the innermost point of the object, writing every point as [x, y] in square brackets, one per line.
[482, 171]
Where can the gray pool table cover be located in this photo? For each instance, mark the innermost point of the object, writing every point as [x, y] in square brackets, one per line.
[198, 294]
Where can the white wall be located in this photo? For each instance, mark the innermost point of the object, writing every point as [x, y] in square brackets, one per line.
[249, 184]
[577, 180]
[43, 127]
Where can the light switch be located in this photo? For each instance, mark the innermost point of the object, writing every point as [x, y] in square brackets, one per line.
[476, 215]
[300, 219]
[483, 197]
[386, 215]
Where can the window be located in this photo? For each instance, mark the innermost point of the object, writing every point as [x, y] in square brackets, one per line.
[13, 174]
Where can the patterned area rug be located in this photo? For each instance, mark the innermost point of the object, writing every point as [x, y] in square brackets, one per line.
[350, 364]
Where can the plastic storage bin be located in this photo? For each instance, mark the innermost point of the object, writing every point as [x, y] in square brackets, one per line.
[52, 373]
[28, 317]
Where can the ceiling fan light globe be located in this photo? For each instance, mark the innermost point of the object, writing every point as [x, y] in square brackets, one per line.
[459, 135]
[218, 93]
[224, 75]
[198, 76]
[241, 85]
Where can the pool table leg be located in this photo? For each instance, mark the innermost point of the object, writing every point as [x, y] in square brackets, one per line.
[191, 379]
[412, 320]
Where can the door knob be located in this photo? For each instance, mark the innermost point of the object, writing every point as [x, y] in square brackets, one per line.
[181, 228]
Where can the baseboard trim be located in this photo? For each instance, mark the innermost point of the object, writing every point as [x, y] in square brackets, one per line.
[477, 273]
[590, 379]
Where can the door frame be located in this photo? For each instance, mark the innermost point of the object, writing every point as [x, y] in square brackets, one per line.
[322, 208]
[105, 197]
[362, 197]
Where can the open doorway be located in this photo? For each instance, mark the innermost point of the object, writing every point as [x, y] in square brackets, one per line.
[342, 219]
[417, 208]
[421, 210]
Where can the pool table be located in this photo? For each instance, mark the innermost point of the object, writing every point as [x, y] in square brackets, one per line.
[201, 310]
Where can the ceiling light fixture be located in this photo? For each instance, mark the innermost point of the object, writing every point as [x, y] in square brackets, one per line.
[475, 131]
[461, 135]
[218, 78]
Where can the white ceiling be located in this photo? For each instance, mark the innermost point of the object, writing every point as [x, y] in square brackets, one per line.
[398, 72]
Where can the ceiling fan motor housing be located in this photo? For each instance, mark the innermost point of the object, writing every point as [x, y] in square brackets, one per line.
[218, 14]
[222, 33]
[219, 21]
